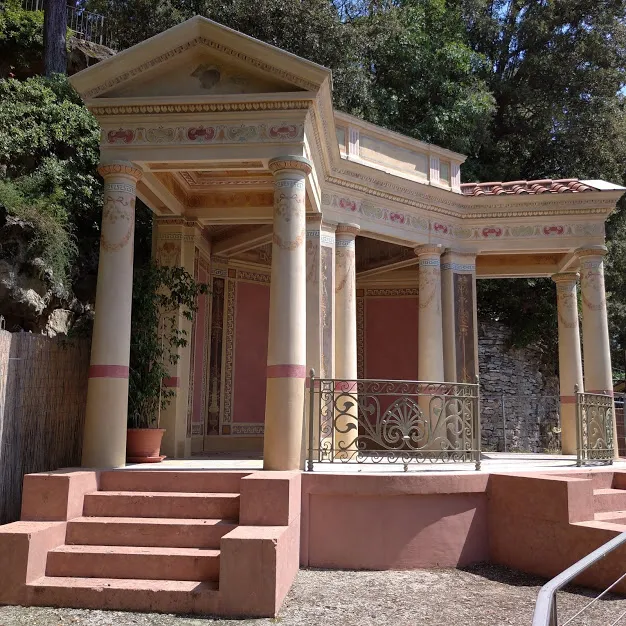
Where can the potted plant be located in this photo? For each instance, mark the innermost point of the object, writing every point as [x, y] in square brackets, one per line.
[162, 298]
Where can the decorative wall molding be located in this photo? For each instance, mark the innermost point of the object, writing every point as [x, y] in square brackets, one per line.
[264, 132]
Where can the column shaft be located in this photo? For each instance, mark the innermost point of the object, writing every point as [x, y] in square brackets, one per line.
[570, 363]
[345, 302]
[346, 417]
[430, 324]
[286, 353]
[458, 301]
[104, 443]
[176, 247]
[596, 347]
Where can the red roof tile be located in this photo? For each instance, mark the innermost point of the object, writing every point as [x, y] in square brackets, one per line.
[517, 187]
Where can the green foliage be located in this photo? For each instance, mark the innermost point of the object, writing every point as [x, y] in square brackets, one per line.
[556, 69]
[426, 80]
[163, 297]
[21, 40]
[34, 200]
[49, 149]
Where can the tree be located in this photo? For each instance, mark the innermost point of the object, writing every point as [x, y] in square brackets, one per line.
[21, 41]
[54, 34]
[556, 70]
[426, 79]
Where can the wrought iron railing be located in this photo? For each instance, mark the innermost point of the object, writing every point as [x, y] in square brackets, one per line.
[392, 421]
[594, 428]
[84, 24]
[546, 613]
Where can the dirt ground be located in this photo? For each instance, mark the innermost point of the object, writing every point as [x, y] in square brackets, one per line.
[484, 595]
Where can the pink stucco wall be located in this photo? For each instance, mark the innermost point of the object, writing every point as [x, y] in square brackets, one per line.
[391, 338]
[393, 522]
[251, 328]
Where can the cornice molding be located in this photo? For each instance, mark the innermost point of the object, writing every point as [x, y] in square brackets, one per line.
[204, 107]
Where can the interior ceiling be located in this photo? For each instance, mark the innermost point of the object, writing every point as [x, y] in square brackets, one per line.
[374, 253]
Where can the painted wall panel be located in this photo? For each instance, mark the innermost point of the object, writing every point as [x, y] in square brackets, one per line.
[252, 323]
[391, 338]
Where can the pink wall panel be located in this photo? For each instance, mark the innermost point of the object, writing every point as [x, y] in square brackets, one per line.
[251, 327]
[391, 338]
[200, 349]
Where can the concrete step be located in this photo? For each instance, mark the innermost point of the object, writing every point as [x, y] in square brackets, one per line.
[615, 517]
[148, 531]
[172, 481]
[133, 562]
[161, 596]
[606, 500]
[174, 505]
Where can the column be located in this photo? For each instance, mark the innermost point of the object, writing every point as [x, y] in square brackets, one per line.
[176, 247]
[430, 323]
[459, 317]
[104, 443]
[596, 348]
[346, 423]
[286, 351]
[570, 363]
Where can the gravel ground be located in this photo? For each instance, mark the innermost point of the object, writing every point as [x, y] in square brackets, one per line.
[484, 595]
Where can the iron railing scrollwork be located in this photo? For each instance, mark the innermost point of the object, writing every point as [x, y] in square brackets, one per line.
[393, 421]
[594, 427]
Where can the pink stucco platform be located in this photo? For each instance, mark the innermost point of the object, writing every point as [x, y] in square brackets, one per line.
[194, 537]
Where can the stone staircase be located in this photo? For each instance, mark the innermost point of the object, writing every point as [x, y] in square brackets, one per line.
[543, 523]
[163, 541]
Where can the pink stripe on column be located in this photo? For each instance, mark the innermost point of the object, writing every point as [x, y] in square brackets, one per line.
[286, 371]
[602, 392]
[172, 381]
[568, 399]
[108, 371]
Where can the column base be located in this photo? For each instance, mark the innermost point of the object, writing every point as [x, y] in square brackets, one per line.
[568, 427]
[284, 424]
[104, 440]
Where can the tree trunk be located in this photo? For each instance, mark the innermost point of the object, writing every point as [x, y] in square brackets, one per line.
[54, 33]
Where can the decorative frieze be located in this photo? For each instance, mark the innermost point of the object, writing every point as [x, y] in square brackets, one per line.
[210, 134]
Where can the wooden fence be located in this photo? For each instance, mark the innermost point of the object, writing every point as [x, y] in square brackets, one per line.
[43, 393]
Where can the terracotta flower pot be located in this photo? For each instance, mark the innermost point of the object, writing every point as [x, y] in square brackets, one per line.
[143, 445]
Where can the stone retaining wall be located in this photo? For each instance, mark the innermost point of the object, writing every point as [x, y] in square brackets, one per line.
[516, 378]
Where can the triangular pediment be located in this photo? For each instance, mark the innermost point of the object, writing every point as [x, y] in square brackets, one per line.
[199, 72]
[195, 58]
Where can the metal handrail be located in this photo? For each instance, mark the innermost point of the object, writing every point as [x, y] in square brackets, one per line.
[545, 608]
[349, 423]
[84, 24]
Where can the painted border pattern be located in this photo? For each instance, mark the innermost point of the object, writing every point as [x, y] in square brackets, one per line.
[231, 292]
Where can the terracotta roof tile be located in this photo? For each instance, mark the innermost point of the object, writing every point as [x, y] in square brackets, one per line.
[519, 187]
